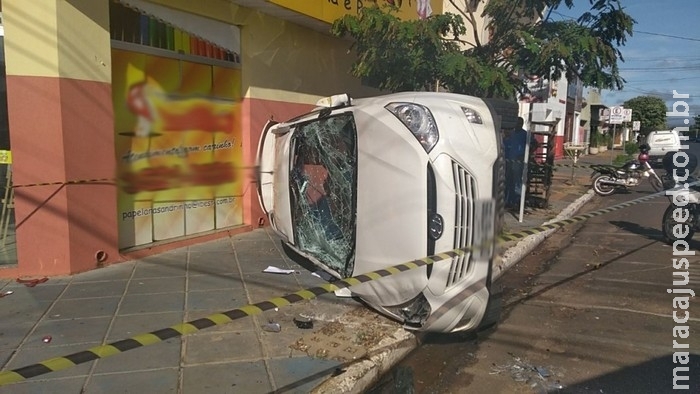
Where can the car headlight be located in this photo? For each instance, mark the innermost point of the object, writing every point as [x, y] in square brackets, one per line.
[419, 121]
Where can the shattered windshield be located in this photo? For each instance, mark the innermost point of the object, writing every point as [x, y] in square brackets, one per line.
[323, 190]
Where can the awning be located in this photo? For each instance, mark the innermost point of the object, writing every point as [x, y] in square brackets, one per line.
[218, 33]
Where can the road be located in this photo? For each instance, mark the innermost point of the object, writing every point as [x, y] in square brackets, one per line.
[588, 313]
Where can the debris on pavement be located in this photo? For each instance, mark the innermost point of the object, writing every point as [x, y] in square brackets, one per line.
[32, 282]
[276, 270]
[272, 327]
[324, 275]
[536, 377]
[6, 293]
[46, 339]
[303, 322]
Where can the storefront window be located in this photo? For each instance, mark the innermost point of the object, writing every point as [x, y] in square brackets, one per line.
[130, 25]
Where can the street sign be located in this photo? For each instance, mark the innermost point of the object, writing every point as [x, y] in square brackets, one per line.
[627, 114]
[617, 115]
[603, 113]
[636, 125]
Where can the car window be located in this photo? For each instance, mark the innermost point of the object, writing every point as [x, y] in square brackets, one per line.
[323, 190]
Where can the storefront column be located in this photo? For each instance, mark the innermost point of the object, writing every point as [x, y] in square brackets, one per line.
[61, 130]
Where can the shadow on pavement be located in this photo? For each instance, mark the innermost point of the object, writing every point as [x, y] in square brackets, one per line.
[554, 285]
[652, 233]
[653, 376]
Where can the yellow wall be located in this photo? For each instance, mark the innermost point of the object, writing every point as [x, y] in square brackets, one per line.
[330, 10]
[481, 22]
[283, 61]
[51, 38]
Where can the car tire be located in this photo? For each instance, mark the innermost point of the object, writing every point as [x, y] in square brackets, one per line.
[668, 222]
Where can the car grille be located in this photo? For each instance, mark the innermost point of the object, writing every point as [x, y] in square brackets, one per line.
[465, 187]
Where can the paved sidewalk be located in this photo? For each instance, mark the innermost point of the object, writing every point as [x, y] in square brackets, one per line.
[65, 315]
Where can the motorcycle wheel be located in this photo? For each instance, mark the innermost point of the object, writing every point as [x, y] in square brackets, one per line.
[667, 224]
[656, 183]
[669, 182]
[601, 188]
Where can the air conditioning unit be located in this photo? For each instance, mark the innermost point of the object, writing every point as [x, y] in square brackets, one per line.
[543, 112]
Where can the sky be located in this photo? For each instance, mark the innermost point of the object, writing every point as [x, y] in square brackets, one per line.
[663, 53]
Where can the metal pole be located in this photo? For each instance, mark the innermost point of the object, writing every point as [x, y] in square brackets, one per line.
[612, 146]
[523, 177]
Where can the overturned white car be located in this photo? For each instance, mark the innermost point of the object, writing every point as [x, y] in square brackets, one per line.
[361, 185]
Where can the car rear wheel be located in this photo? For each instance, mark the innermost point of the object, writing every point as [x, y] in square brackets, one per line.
[668, 223]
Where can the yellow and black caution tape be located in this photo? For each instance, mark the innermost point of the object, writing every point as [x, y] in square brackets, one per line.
[575, 219]
[95, 180]
[153, 337]
[112, 180]
[75, 182]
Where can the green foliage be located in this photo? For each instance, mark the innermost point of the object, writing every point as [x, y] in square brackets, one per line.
[631, 147]
[420, 54]
[400, 55]
[595, 139]
[650, 111]
[622, 159]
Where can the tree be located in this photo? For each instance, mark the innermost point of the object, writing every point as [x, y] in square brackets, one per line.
[650, 111]
[421, 54]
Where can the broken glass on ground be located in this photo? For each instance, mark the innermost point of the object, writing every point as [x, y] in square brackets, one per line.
[323, 188]
[539, 378]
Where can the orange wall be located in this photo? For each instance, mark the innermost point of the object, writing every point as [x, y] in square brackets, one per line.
[62, 131]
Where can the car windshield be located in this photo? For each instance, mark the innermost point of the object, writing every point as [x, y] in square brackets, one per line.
[323, 190]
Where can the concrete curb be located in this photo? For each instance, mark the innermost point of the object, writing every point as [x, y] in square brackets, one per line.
[516, 253]
[359, 377]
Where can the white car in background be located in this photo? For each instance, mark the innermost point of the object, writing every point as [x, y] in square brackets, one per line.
[361, 185]
[660, 143]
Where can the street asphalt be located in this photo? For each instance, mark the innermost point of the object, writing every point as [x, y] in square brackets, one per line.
[326, 344]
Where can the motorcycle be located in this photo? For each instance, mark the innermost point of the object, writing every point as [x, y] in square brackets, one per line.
[683, 214]
[607, 179]
[684, 219]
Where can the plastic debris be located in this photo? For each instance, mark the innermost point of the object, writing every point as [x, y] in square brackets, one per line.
[32, 282]
[272, 327]
[276, 270]
[343, 293]
[46, 339]
[303, 322]
[6, 293]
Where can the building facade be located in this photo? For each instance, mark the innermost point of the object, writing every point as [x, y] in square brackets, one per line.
[133, 124]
